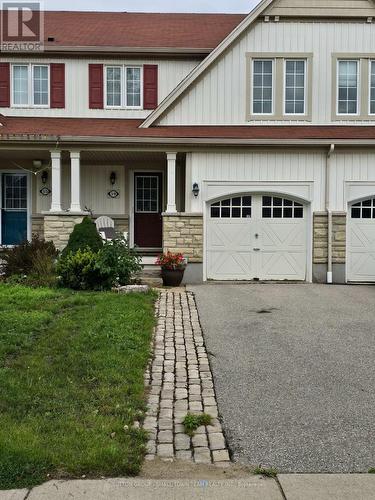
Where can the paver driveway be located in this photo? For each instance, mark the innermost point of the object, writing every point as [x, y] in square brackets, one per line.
[294, 370]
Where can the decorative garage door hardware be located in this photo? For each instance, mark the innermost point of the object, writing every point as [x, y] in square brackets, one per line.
[257, 238]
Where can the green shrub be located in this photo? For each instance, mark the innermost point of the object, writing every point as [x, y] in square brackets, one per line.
[31, 262]
[83, 236]
[114, 264]
[119, 261]
[79, 271]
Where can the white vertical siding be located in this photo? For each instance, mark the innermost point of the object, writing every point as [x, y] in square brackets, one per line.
[219, 96]
[350, 169]
[171, 72]
[260, 166]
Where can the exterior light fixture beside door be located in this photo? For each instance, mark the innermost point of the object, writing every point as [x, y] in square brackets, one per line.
[195, 189]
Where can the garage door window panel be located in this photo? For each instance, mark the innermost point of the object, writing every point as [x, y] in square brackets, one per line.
[364, 209]
[281, 208]
[236, 208]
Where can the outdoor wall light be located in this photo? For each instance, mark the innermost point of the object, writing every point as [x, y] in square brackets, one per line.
[195, 189]
[112, 178]
[44, 177]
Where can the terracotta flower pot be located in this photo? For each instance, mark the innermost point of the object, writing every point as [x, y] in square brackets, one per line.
[172, 277]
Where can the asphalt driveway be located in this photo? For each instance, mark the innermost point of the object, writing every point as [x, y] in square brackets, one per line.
[294, 369]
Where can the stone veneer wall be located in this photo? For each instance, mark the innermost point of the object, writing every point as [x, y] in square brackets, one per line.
[320, 231]
[183, 233]
[37, 225]
[339, 238]
[320, 254]
[57, 228]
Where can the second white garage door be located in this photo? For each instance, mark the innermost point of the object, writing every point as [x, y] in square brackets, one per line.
[256, 237]
[361, 241]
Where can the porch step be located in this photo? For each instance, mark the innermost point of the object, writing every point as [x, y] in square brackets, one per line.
[151, 275]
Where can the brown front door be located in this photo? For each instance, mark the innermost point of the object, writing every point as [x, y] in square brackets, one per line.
[148, 189]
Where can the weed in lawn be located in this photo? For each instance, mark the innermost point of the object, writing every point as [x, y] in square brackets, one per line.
[192, 421]
[266, 472]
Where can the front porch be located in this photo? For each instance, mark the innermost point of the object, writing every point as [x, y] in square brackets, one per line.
[46, 192]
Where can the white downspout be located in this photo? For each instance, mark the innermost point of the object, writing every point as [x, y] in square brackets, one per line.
[329, 212]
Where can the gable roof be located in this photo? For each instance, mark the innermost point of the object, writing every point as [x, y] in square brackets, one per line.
[206, 63]
[95, 30]
[322, 8]
[358, 8]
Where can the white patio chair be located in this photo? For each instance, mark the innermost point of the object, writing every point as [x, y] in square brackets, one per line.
[106, 228]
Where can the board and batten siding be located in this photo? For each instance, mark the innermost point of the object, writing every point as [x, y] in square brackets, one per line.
[352, 176]
[254, 168]
[170, 73]
[219, 96]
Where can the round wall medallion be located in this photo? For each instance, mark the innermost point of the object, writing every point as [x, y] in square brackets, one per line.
[45, 191]
[113, 194]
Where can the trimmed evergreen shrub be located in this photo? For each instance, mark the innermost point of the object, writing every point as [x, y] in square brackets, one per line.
[79, 271]
[84, 236]
[114, 264]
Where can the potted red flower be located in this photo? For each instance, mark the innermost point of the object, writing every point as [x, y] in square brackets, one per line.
[173, 266]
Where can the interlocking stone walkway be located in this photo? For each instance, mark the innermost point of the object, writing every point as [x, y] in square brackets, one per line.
[180, 382]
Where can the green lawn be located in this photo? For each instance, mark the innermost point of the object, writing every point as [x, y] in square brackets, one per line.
[71, 383]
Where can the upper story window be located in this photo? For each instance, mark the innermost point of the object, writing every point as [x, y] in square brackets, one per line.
[262, 86]
[30, 85]
[279, 87]
[295, 83]
[372, 87]
[123, 87]
[347, 81]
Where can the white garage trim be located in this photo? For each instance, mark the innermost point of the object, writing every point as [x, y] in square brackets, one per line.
[294, 251]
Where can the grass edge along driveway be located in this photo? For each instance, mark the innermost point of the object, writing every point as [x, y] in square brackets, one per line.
[71, 383]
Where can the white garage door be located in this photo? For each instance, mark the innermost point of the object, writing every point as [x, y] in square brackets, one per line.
[256, 237]
[361, 241]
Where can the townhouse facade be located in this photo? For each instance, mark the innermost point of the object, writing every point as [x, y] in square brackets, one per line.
[247, 142]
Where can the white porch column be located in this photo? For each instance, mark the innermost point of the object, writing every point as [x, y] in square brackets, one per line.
[56, 181]
[75, 181]
[171, 183]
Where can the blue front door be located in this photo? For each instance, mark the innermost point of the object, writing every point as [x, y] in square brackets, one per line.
[14, 209]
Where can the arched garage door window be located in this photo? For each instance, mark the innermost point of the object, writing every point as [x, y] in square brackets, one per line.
[364, 209]
[281, 208]
[239, 207]
[273, 207]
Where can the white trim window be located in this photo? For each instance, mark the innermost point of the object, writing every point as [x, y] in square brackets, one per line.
[295, 87]
[123, 87]
[262, 96]
[347, 87]
[372, 87]
[114, 86]
[30, 85]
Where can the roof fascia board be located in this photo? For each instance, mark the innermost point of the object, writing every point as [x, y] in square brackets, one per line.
[132, 50]
[191, 141]
[206, 63]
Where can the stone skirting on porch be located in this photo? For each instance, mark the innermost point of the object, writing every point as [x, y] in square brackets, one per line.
[183, 233]
[58, 227]
[37, 225]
